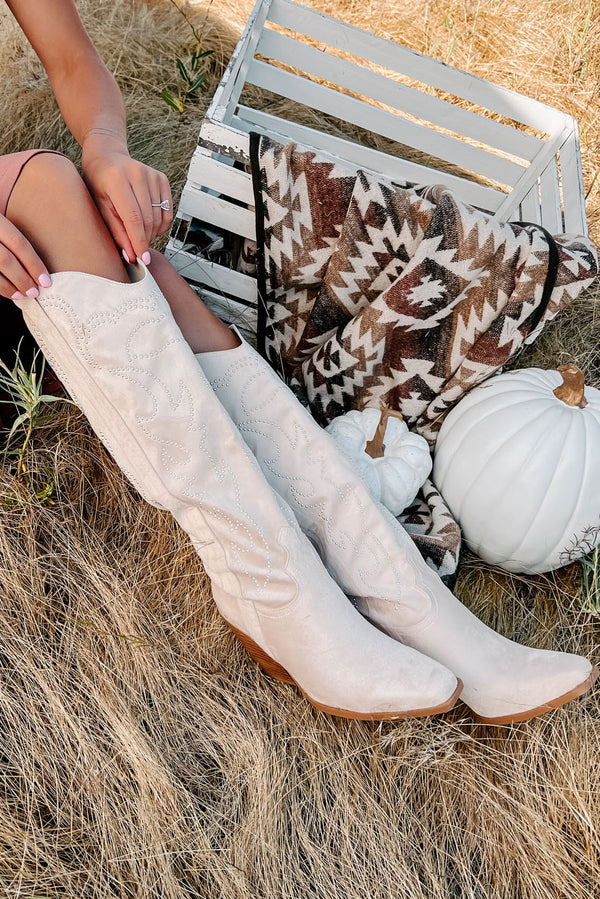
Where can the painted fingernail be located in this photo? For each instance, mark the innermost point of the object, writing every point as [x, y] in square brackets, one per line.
[17, 295]
[146, 258]
[45, 280]
[126, 257]
[33, 292]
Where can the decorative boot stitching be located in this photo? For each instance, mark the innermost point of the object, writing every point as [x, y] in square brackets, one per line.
[300, 491]
[82, 332]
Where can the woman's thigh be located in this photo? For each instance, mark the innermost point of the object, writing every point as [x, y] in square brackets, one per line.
[42, 194]
[52, 207]
[11, 166]
[12, 328]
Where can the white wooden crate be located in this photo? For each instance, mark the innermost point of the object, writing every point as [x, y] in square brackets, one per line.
[505, 153]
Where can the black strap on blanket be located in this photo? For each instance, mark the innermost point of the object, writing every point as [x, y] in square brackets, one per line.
[260, 243]
[549, 283]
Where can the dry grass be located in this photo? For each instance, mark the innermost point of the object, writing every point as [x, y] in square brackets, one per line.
[142, 753]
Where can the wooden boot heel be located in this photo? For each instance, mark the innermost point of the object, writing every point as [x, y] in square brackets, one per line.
[268, 665]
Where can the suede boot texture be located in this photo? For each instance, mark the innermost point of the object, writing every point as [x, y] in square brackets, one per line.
[121, 356]
[371, 556]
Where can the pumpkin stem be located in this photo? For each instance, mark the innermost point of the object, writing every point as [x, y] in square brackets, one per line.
[375, 447]
[571, 391]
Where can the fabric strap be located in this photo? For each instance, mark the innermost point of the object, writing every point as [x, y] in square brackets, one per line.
[550, 282]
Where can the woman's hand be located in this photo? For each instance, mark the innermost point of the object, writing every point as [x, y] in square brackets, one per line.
[21, 269]
[127, 193]
[91, 104]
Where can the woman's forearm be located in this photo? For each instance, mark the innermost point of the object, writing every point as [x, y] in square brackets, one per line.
[134, 199]
[95, 112]
[87, 94]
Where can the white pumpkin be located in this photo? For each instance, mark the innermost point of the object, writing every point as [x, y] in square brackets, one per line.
[394, 463]
[518, 463]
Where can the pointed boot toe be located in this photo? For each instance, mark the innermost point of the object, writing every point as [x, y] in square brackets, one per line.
[503, 682]
[121, 356]
[547, 681]
[372, 557]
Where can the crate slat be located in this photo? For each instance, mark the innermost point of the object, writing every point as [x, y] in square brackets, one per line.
[396, 58]
[530, 206]
[531, 175]
[397, 95]
[373, 161]
[232, 82]
[215, 277]
[572, 186]
[206, 171]
[217, 211]
[220, 138]
[387, 124]
[550, 190]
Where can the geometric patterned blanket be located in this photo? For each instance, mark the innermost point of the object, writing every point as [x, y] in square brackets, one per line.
[372, 291]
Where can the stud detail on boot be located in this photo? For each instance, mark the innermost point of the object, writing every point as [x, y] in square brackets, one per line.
[122, 357]
[372, 557]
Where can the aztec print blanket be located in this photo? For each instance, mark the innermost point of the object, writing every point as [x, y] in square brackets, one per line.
[372, 291]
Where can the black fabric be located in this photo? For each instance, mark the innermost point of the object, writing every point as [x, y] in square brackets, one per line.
[260, 243]
[12, 332]
[553, 263]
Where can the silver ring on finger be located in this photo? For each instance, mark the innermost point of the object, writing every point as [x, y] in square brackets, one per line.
[164, 204]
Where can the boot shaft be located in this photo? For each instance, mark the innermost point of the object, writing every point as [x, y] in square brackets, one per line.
[124, 360]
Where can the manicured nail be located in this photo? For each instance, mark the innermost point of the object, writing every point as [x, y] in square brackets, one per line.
[17, 295]
[33, 292]
[126, 257]
[45, 280]
[146, 258]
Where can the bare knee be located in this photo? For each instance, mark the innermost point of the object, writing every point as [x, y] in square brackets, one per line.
[45, 179]
[47, 166]
[52, 207]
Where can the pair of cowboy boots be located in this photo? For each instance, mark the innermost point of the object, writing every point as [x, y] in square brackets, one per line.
[254, 506]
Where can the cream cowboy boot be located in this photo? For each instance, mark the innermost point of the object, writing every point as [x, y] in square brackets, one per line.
[372, 557]
[121, 356]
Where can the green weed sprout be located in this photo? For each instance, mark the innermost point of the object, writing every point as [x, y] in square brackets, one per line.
[191, 78]
[590, 579]
[25, 391]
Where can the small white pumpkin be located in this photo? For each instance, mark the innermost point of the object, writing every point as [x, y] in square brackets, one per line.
[393, 462]
[518, 462]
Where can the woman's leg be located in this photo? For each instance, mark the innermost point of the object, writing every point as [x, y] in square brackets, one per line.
[52, 207]
[373, 558]
[200, 327]
[115, 345]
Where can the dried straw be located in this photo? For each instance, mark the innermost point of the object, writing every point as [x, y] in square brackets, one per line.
[143, 755]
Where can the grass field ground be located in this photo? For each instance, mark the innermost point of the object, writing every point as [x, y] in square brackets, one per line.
[143, 754]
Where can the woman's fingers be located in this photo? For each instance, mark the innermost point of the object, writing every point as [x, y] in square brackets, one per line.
[160, 192]
[117, 229]
[7, 289]
[131, 215]
[155, 198]
[141, 191]
[129, 195]
[128, 225]
[139, 206]
[150, 193]
[21, 269]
